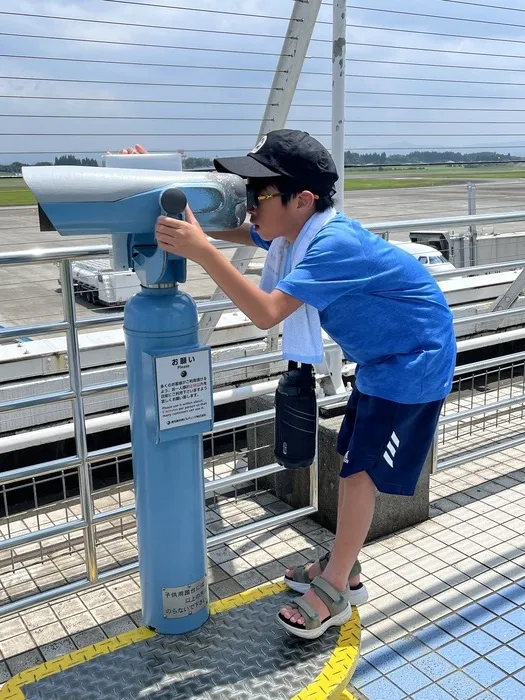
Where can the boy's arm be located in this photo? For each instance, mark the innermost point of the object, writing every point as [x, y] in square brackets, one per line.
[186, 238]
[239, 235]
[264, 310]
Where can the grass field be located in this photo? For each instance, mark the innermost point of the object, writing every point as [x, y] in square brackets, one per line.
[13, 191]
[426, 176]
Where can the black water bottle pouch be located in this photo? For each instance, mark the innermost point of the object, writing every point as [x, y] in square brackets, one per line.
[296, 417]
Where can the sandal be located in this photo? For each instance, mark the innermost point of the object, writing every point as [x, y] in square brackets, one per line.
[338, 606]
[300, 581]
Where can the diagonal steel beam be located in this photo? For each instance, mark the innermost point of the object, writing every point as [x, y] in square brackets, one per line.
[289, 67]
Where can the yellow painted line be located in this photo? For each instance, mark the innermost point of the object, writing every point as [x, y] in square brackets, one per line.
[329, 683]
[12, 690]
[339, 668]
[247, 597]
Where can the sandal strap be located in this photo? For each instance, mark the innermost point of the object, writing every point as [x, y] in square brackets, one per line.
[300, 574]
[356, 569]
[311, 618]
[323, 561]
[336, 601]
[306, 610]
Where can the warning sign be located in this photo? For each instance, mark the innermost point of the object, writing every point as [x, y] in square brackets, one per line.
[184, 389]
[185, 600]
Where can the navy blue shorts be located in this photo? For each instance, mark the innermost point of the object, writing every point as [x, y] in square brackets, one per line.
[388, 440]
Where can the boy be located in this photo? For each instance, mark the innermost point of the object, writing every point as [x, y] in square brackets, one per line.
[379, 304]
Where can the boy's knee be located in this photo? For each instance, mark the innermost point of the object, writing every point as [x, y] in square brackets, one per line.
[361, 478]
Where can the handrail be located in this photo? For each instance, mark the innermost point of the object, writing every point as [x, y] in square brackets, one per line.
[480, 269]
[38, 255]
[35, 256]
[465, 220]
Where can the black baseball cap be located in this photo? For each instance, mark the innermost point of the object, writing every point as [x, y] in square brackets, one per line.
[286, 152]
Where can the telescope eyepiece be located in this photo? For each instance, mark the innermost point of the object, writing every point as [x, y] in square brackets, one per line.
[173, 201]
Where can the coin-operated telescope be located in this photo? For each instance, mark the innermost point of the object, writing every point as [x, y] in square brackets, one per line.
[169, 371]
[124, 203]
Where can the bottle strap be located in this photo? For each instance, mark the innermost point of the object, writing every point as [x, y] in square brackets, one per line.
[305, 367]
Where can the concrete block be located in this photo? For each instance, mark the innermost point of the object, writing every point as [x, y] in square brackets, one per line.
[393, 513]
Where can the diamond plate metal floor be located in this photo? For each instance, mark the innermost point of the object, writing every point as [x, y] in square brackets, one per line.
[241, 653]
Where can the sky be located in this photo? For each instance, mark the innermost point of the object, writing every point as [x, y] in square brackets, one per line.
[413, 82]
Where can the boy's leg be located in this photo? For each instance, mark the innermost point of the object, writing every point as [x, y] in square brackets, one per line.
[343, 439]
[315, 569]
[357, 497]
[355, 580]
[390, 441]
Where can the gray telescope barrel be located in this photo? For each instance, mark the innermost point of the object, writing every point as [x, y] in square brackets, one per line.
[88, 184]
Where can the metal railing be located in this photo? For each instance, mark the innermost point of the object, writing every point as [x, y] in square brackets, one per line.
[88, 519]
[82, 464]
[484, 413]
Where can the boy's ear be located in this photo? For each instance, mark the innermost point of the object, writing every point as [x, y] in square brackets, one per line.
[306, 199]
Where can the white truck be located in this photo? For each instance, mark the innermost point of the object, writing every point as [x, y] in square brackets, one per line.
[98, 283]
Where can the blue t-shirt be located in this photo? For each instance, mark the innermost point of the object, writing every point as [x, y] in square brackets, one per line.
[382, 307]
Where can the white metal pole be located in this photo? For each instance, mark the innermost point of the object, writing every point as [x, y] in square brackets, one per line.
[334, 360]
[338, 97]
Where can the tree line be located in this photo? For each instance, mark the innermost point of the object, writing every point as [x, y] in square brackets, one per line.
[16, 167]
[420, 157]
[351, 158]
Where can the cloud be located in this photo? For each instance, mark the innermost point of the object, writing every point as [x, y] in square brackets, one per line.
[209, 91]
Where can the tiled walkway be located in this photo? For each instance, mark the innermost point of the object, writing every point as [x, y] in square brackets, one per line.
[446, 615]
[461, 656]
[451, 623]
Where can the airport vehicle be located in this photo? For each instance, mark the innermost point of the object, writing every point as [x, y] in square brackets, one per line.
[98, 283]
[428, 256]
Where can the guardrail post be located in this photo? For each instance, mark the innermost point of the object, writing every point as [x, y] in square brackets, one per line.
[471, 192]
[75, 378]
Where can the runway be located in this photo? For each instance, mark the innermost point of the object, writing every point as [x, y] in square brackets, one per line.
[31, 293]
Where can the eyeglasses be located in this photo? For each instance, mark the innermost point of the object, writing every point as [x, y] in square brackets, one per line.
[252, 199]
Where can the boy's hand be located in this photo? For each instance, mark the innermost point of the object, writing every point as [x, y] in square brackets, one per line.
[133, 149]
[184, 238]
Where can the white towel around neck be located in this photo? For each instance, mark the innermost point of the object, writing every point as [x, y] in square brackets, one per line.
[302, 336]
